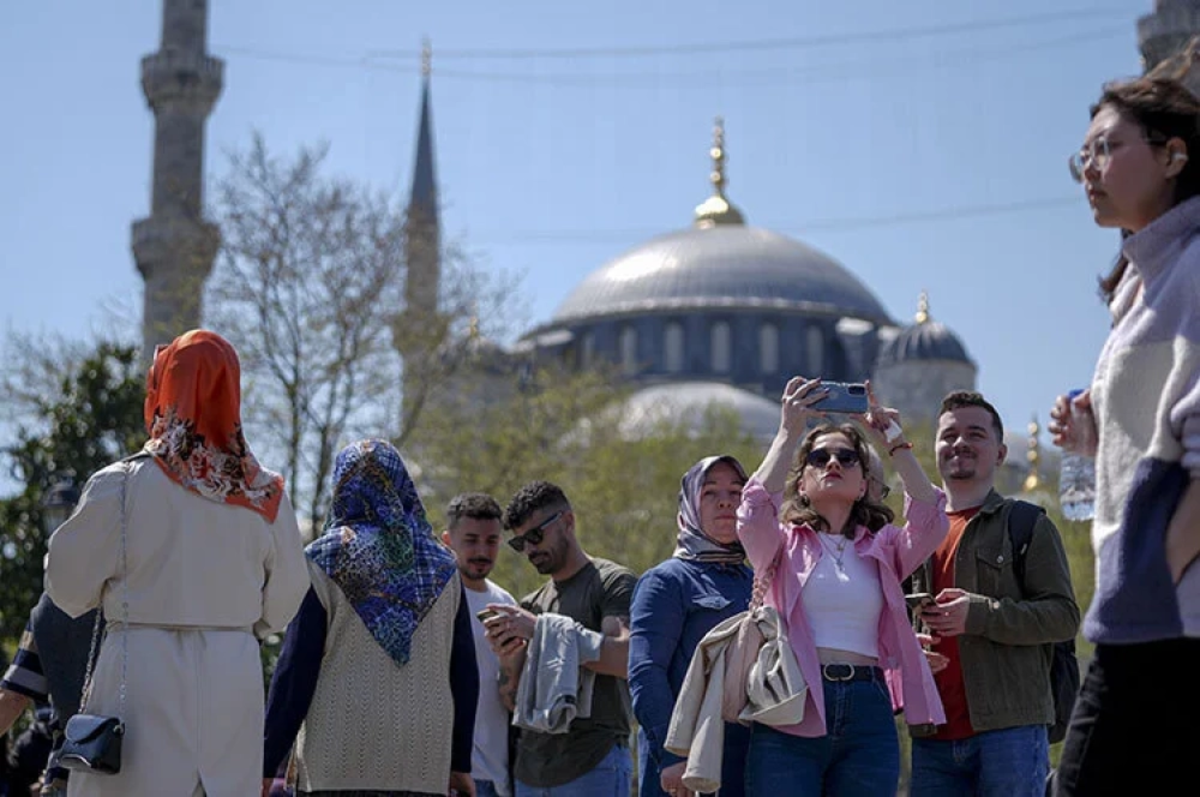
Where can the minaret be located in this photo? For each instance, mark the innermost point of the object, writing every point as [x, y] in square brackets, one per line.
[175, 247]
[419, 329]
[1165, 33]
[717, 209]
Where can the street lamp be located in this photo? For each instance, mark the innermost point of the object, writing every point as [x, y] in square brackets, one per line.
[58, 503]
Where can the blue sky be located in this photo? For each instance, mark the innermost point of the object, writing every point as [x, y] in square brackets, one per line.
[922, 144]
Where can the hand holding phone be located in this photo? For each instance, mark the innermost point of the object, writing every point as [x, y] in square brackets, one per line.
[843, 397]
[918, 600]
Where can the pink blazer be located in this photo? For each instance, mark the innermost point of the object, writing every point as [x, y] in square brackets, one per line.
[899, 552]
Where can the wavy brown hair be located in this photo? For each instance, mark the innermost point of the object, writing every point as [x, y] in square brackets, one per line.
[797, 510]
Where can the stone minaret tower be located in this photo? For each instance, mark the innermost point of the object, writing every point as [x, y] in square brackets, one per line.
[420, 330]
[175, 247]
[1165, 33]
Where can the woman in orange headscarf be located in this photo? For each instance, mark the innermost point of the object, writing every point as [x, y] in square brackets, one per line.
[193, 551]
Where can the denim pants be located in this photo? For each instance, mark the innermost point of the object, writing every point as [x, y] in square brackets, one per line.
[612, 777]
[1012, 762]
[485, 788]
[859, 755]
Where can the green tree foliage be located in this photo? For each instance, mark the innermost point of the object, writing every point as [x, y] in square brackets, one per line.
[572, 429]
[93, 417]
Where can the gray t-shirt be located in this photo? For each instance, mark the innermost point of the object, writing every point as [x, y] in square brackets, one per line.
[601, 589]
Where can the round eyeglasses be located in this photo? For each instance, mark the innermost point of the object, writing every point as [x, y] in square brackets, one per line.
[1098, 153]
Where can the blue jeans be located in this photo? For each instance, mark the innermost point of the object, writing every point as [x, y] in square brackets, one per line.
[859, 755]
[612, 777]
[485, 788]
[1012, 762]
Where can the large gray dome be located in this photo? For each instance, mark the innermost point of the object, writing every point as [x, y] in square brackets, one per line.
[725, 266]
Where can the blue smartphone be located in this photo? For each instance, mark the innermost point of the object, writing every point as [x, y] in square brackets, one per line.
[844, 397]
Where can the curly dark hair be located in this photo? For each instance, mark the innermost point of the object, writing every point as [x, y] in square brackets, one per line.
[477, 506]
[798, 511]
[529, 499]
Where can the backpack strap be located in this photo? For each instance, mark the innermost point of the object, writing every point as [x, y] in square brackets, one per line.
[1022, 517]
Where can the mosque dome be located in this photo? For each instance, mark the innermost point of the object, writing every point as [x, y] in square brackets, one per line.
[689, 403]
[721, 263]
[925, 340]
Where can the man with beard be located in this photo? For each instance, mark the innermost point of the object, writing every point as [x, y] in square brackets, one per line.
[593, 756]
[473, 532]
[995, 617]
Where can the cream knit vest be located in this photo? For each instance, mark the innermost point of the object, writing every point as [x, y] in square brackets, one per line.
[375, 725]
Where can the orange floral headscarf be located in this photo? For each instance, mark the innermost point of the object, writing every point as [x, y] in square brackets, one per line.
[193, 417]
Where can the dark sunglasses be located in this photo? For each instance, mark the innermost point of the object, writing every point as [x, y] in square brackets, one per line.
[819, 457]
[536, 534]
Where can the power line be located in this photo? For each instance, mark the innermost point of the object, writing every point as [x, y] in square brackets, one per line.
[727, 78]
[894, 34]
[790, 76]
[553, 237]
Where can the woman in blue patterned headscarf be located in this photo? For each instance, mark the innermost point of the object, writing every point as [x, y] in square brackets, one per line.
[377, 681]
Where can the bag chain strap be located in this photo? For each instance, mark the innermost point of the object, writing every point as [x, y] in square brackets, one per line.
[99, 624]
[761, 584]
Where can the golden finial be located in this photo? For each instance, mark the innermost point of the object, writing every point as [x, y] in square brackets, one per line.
[717, 209]
[922, 315]
[1034, 455]
[426, 57]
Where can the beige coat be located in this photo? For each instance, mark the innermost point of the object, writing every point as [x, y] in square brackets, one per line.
[204, 579]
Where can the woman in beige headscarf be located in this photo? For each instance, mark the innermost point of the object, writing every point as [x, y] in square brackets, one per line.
[207, 556]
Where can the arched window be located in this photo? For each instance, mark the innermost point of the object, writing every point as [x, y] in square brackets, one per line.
[673, 348]
[721, 347]
[815, 345]
[768, 348]
[629, 350]
[587, 349]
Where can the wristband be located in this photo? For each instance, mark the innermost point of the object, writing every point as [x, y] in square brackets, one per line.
[892, 451]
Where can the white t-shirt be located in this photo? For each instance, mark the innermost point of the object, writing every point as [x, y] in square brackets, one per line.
[489, 759]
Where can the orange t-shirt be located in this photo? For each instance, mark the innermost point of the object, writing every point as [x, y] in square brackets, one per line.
[950, 680]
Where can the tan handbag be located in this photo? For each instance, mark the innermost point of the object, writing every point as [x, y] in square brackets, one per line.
[763, 682]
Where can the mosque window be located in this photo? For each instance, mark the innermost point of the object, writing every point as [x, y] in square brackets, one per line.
[673, 348]
[587, 349]
[768, 348]
[629, 350]
[815, 350]
[722, 346]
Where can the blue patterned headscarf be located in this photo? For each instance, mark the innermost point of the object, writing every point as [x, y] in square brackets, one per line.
[378, 546]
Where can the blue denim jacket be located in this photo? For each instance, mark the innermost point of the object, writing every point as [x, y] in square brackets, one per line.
[675, 604]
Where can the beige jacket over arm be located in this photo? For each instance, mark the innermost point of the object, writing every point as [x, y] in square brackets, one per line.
[203, 579]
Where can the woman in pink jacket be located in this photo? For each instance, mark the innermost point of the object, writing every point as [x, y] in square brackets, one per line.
[838, 563]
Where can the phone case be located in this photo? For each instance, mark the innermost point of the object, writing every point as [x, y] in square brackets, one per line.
[843, 397]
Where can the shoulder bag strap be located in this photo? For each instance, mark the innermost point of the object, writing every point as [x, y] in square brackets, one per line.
[100, 624]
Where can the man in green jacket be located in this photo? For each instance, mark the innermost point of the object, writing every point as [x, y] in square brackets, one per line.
[995, 628]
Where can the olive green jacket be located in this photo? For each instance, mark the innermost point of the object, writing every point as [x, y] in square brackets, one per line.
[1007, 647]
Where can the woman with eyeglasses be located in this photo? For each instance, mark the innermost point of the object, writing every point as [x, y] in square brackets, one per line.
[675, 604]
[1140, 167]
[835, 563]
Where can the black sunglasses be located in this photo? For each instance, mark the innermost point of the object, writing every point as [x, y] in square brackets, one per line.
[536, 534]
[819, 457]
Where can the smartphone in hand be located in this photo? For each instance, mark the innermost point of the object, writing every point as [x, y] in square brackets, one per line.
[842, 397]
[918, 600]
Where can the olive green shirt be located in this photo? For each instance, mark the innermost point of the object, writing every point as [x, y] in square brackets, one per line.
[601, 589]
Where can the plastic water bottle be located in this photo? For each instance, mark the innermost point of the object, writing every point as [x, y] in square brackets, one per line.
[1077, 483]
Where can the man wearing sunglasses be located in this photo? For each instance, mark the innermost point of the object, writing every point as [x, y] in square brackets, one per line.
[593, 756]
[997, 613]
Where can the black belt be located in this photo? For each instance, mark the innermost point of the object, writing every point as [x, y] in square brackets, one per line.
[850, 672]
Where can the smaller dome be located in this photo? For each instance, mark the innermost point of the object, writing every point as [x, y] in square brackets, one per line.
[689, 401]
[924, 340]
